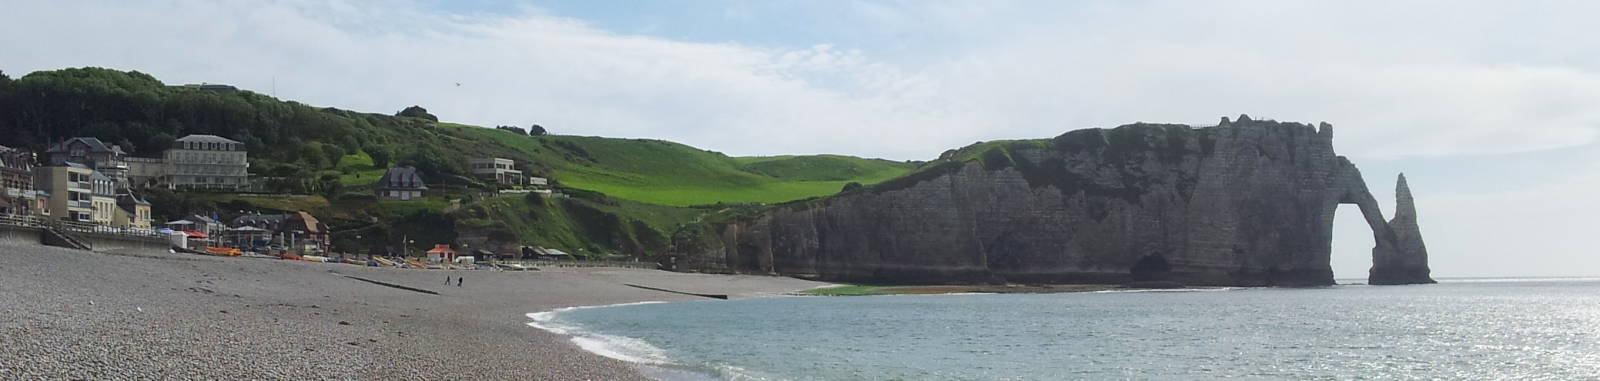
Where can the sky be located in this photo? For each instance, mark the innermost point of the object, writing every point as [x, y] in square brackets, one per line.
[1492, 109]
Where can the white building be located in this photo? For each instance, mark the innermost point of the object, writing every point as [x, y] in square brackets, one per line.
[503, 171]
[205, 161]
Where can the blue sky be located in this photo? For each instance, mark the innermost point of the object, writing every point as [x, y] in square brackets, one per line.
[1491, 108]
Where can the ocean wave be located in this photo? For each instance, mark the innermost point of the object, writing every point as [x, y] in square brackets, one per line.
[734, 373]
[616, 347]
[622, 348]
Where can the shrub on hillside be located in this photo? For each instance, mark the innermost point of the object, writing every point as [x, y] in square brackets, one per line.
[417, 112]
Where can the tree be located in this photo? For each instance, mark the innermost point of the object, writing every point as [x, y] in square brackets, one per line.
[127, 145]
[689, 240]
[333, 153]
[417, 112]
[536, 130]
[312, 156]
[431, 162]
[513, 129]
[380, 156]
[350, 144]
[160, 142]
[329, 186]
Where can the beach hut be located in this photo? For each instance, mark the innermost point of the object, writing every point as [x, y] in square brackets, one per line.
[441, 252]
[552, 254]
[197, 239]
[485, 255]
[247, 236]
[175, 238]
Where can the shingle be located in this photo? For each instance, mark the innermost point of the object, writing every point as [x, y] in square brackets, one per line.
[95, 145]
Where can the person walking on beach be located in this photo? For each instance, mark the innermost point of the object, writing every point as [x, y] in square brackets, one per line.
[447, 280]
[458, 281]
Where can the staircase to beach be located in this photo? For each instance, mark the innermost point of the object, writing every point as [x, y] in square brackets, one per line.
[54, 235]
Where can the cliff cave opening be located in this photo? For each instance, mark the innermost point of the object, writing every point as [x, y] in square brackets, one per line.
[1352, 244]
[1151, 267]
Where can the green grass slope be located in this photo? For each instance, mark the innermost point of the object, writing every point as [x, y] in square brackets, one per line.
[578, 225]
[667, 173]
[358, 170]
[823, 168]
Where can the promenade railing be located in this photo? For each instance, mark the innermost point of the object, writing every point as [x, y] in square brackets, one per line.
[20, 220]
[78, 227]
[583, 263]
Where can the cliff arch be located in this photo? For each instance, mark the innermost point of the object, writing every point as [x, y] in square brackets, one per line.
[1398, 254]
[1248, 202]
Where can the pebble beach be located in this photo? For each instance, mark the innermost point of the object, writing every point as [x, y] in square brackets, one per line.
[71, 314]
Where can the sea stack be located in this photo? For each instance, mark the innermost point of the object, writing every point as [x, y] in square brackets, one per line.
[1407, 262]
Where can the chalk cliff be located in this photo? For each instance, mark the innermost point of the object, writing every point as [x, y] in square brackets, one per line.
[1243, 203]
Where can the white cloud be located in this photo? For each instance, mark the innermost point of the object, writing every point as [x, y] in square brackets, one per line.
[521, 69]
[1021, 71]
[1393, 89]
[1400, 79]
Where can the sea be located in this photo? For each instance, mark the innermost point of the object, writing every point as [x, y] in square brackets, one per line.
[1489, 329]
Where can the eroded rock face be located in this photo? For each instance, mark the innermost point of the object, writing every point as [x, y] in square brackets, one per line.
[1243, 203]
[1407, 263]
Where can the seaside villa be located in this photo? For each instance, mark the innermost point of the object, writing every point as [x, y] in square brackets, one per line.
[502, 171]
[401, 183]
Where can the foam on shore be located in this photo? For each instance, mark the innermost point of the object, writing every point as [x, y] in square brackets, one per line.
[652, 360]
[616, 347]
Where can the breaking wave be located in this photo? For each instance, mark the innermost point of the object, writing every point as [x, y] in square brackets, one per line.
[616, 347]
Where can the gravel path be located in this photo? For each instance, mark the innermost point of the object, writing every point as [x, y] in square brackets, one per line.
[68, 314]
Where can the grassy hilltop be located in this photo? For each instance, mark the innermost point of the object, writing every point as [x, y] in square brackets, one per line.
[667, 173]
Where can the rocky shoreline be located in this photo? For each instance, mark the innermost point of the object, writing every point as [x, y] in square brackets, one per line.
[70, 314]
